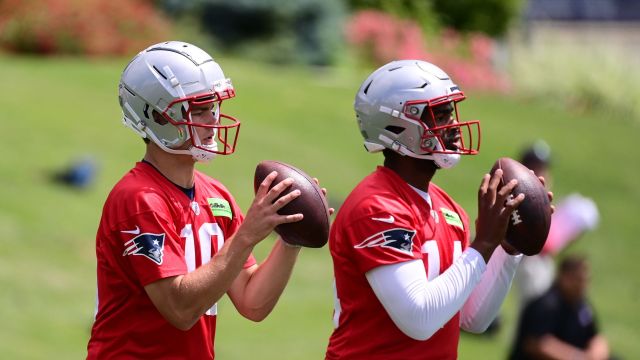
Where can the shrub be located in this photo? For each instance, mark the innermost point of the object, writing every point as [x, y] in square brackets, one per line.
[380, 38]
[491, 17]
[91, 27]
[420, 11]
[285, 31]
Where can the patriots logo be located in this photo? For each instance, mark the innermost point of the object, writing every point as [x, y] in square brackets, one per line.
[149, 245]
[397, 239]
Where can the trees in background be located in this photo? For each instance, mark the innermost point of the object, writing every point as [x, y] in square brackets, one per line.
[458, 35]
[280, 31]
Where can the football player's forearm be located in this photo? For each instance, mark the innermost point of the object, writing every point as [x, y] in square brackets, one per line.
[267, 282]
[419, 307]
[487, 297]
[207, 284]
[182, 300]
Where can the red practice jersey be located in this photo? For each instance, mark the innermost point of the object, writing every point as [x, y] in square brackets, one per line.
[151, 230]
[384, 221]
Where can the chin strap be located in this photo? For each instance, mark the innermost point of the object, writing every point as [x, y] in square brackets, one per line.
[201, 155]
[446, 161]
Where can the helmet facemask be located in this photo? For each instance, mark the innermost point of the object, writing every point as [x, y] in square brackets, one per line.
[431, 130]
[225, 128]
[222, 140]
[443, 132]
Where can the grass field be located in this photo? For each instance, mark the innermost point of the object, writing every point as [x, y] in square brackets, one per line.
[56, 110]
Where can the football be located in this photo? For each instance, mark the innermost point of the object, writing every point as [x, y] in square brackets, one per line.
[529, 223]
[313, 230]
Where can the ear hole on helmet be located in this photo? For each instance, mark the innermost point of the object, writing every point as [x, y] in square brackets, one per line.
[159, 119]
[394, 129]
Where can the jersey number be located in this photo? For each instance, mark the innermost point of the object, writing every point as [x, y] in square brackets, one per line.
[430, 247]
[206, 232]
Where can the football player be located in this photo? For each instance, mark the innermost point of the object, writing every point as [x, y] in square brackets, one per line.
[407, 277]
[172, 241]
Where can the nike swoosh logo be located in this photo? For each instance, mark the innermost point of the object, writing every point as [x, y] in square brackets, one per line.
[388, 220]
[135, 231]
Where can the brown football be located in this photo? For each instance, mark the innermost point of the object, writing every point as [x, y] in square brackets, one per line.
[529, 223]
[313, 229]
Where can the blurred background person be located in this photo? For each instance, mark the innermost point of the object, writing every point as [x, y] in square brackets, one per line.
[561, 324]
[573, 216]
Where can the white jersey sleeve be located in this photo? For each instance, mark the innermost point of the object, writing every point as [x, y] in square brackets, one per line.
[484, 302]
[419, 307]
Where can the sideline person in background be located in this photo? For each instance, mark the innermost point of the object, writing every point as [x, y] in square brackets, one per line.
[407, 277]
[172, 241]
[573, 216]
[561, 324]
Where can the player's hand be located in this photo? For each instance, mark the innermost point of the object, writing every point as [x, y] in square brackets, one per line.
[494, 209]
[262, 216]
[324, 192]
[549, 193]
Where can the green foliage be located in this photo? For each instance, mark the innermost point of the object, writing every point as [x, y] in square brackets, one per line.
[580, 79]
[297, 115]
[421, 11]
[491, 17]
[280, 31]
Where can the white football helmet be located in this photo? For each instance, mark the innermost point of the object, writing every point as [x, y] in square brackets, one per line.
[158, 89]
[395, 110]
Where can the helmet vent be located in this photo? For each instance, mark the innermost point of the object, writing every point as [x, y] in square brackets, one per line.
[159, 72]
[129, 91]
[423, 86]
[395, 68]
[367, 87]
[394, 129]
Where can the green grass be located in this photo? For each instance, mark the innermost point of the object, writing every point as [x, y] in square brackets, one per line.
[56, 110]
